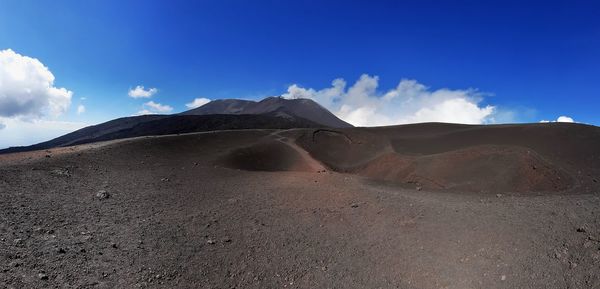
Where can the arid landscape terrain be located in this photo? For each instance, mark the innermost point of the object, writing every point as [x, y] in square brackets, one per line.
[416, 206]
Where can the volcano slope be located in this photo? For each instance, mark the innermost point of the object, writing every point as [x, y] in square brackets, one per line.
[416, 206]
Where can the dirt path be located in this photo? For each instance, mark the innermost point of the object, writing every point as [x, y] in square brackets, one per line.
[314, 164]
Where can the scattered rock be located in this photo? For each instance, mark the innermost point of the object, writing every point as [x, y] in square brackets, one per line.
[102, 194]
[581, 230]
[572, 265]
[61, 172]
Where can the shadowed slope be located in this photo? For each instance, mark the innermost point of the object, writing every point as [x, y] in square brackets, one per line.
[499, 158]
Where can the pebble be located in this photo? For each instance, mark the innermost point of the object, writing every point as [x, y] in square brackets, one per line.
[210, 242]
[43, 276]
[102, 194]
[354, 205]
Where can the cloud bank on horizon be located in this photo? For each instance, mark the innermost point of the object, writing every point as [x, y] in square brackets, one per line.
[362, 104]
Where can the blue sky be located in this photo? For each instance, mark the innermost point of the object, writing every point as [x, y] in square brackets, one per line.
[529, 61]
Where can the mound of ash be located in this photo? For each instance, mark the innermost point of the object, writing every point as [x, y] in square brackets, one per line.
[265, 156]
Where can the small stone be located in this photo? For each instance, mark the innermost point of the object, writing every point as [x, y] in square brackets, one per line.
[503, 277]
[581, 230]
[18, 241]
[50, 232]
[102, 194]
[164, 180]
[354, 205]
[61, 251]
[227, 240]
[499, 195]
[43, 276]
[114, 245]
[210, 242]
[419, 188]
[572, 265]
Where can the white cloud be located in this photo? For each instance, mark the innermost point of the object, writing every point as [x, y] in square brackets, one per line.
[80, 109]
[27, 88]
[198, 102]
[564, 119]
[561, 118]
[140, 92]
[18, 132]
[410, 102]
[2, 126]
[152, 107]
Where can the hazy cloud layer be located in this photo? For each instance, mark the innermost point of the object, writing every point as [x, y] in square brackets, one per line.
[198, 102]
[152, 107]
[140, 92]
[362, 104]
[27, 88]
[18, 132]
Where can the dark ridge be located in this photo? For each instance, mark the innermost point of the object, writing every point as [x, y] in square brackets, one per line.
[168, 124]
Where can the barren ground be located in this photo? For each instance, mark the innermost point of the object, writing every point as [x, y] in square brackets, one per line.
[181, 214]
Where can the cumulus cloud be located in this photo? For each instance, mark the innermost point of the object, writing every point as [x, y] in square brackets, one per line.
[561, 118]
[362, 104]
[27, 88]
[140, 92]
[152, 107]
[198, 102]
[564, 119]
[80, 109]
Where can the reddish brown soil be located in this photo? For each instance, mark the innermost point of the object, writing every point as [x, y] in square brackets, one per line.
[251, 209]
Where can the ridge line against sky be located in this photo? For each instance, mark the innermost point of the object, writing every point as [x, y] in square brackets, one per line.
[369, 62]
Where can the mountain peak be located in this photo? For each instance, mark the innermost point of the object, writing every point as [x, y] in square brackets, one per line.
[297, 107]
